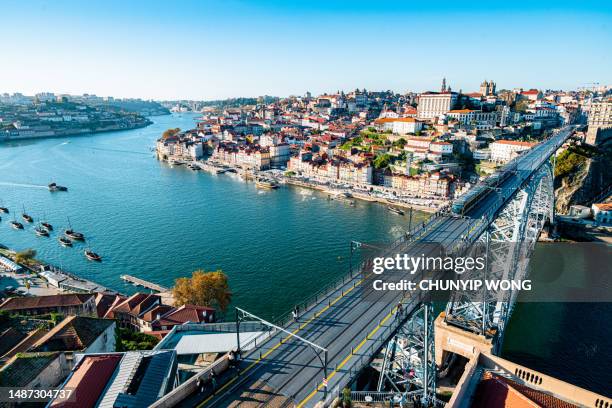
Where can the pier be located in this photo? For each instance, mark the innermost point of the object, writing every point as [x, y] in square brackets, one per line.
[146, 284]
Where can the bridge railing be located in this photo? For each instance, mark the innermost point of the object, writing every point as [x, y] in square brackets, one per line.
[335, 286]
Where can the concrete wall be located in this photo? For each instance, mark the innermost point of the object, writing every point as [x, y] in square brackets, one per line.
[52, 375]
[464, 386]
[453, 339]
[105, 343]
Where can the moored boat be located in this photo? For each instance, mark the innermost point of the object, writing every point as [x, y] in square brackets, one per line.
[26, 217]
[266, 183]
[395, 210]
[41, 232]
[3, 209]
[16, 225]
[65, 242]
[47, 226]
[92, 256]
[72, 234]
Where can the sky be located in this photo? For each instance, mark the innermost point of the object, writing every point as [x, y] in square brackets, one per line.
[206, 50]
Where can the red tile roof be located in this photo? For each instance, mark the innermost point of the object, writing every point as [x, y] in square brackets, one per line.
[89, 380]
[156, 311]
[498, 392]
[186, 313]
[38, 302]
[137, 303]
[105, 302]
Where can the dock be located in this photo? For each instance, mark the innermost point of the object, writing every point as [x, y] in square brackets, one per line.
[145, 284]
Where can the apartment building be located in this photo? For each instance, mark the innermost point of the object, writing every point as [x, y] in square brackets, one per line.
[503, 151]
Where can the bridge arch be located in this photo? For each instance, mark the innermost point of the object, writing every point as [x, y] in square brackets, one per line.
[509, 238]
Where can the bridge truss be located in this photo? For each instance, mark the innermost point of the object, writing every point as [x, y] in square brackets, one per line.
[508, 240]
[409, 367]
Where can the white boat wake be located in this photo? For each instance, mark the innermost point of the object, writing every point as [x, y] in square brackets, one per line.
[10, 184]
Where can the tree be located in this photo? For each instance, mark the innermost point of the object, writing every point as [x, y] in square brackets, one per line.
[26, 256]
[521, 106]
[128, 340]
[170, 132]
[209, 289]
[382, 161]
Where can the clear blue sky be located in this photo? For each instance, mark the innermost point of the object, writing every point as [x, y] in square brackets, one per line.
[225, 48]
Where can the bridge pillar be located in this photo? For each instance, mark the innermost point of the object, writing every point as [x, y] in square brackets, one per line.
[453, 339]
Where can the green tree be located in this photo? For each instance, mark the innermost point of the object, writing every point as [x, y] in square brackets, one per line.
[128, 340]
[400, 143]
[209, 289]
[382, 161]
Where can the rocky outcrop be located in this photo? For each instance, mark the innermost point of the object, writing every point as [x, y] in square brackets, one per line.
[585, 182]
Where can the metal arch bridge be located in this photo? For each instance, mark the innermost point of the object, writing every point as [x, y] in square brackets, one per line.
[344, 326]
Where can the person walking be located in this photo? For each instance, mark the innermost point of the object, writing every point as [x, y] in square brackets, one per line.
[200, 385]
[295, 314]
[399, 310]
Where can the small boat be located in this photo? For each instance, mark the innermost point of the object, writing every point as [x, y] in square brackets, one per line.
[92, 256]
[65, 242]
[41, 232]
[16, 225]
[267, 184]
[395, 210]
[56, 187]
[3, 209]
[72, 234]
[26, 217]
[47, 226]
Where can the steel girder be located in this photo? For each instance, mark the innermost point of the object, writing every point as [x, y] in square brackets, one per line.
[409, 366]
[507, 242]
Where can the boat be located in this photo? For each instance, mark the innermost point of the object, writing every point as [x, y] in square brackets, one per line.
[266, 184]
[395, 210]
[342, 197]
[47, 226]
[72, 234]
[16, 225]
[65, 242]
[56, 187]
[3, 209]
[41, 232]
[26, 217]
[92, 256]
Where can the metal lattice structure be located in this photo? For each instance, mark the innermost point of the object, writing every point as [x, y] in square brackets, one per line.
[508, 241]
[409, 360]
